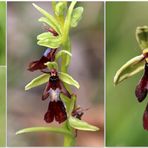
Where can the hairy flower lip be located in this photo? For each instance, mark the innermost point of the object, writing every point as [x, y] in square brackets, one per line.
[57, 111]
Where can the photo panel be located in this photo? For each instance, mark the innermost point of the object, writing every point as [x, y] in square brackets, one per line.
[126, 43]
[3, 106]
[2, 33]
[2, 74]
[85, 68]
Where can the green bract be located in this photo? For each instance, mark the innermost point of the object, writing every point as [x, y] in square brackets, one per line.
[52, 22]
[59, 130]
[81, 125]
[68, 79]
[60, 8]
[38, 81]
[48, 40]
[76, 16]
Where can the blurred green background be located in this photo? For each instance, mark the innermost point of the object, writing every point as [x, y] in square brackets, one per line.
[124, 113]
[2, 106]
[2, 32]
[25, 109]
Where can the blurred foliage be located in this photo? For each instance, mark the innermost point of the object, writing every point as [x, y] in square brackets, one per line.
[2, 32]
[2, 106]
[124, 113]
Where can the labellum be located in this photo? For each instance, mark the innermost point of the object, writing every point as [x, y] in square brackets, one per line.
[56, 109]
[142, 87]
[145, 118]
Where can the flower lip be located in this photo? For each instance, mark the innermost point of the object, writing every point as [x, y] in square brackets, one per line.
[57, 111]
[142, 87]
[145, 118]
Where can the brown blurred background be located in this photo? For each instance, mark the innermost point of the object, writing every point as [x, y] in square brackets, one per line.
[25, 109]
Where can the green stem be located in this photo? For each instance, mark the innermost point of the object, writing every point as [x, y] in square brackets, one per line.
[68, 140]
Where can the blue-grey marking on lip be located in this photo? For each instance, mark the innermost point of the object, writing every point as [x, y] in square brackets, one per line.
[47, 51]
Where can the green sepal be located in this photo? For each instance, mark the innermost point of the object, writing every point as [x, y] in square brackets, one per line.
[52, 22]
[76, 16]
[51, 65]
[48, 40]
[129, 69]
[44, 129]
[37, 81]
[66, 78]
[81, 125]
[61, 53]
[60, 8]
[142, 36]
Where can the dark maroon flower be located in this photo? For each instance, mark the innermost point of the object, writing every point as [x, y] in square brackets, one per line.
[49, 55]
[145, 118]
[142, 87]
[56, 109]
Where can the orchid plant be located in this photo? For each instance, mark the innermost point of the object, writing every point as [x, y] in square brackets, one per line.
[62, 106]
[134, 66]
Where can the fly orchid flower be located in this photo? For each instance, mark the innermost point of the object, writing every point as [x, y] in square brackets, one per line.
[136, 65]
[56, 108]
[49, 55]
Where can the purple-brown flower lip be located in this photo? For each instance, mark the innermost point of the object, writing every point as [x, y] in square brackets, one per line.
[145, 118]
[142, 87]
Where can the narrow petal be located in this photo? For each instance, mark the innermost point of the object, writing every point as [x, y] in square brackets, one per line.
[142, 87]
[46, 91]
[145, 118]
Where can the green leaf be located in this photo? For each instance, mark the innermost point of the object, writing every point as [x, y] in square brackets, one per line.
[66, 78]
[44, 129]
[81, 125]
[51, 65]
[38, 81]
[61, 53]
[52, 22]
[76, 16]
[60, 8]
[129, 69]
[48, 40]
